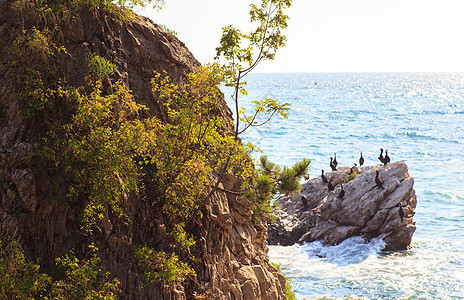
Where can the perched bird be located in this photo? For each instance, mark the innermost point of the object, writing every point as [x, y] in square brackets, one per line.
[354, 169]
[323, 177]
[401, 212]
[361, 160]
[386, 159]
[304, 200]
[381, 156]
[342, 192]
[330, 186]
[332, 166]
[377, 180]
[335, 160]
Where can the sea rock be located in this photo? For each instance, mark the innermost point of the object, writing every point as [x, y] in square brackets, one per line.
[366, 210]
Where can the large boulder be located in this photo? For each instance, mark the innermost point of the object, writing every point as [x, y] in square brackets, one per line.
[366, 210]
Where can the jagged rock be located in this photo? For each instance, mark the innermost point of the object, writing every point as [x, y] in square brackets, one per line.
[231, 258]
[366, 209]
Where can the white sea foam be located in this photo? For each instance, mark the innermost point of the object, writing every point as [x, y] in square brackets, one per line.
[431, 269]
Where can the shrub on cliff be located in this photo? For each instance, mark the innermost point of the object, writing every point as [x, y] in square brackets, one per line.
[98, 147]
[81, 279]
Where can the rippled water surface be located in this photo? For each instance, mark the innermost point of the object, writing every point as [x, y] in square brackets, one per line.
[420, 119]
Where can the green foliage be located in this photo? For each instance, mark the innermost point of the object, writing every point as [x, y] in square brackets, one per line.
[57, 14]
[34, 78]
[20, 279]
[168, 30]
[284, 180]
[157, 4]
[351, 177]
[106, 150]
[273, 180]
[161, 267]
[99, 148]
[245, 51]
[289, 291]
[268, 106]
[98, 66]
[183, 240]
[267, 38]
[192, 144]
[84, 279]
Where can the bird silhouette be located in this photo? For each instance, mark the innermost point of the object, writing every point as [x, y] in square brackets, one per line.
[381, 156]
[335, 160]
[401, 212]
[323, 177]
[330, 186]
[377, 180]
[386, 159]
[304, 200]
[354, 169]
[332, 165]
[361, 160]
[342, 192]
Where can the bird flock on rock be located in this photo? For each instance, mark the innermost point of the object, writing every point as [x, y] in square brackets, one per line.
[333, 165]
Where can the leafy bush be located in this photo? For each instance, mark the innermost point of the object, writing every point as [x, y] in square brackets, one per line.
[20, 279]
[34, 78]
[84, 279]
[161, 267]
[98, 66]
[351, 177]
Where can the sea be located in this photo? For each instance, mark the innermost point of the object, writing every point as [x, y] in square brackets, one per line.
[419, 118]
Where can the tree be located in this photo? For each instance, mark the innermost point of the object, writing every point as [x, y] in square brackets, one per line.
[261, 44]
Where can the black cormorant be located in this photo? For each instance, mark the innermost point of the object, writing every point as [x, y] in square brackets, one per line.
[401, 212]
[361, 160]
[381, 156]
[386, 160]
[335, 160]
[330, 186]
[323, 177]
[377, 180]
[354, 169]
[332, 166]
[342, 192]
[304, 200]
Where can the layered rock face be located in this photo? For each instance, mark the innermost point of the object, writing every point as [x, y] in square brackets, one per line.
[231, 258]
[366, 209]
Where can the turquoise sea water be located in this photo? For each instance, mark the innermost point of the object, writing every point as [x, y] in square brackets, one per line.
[419, 118]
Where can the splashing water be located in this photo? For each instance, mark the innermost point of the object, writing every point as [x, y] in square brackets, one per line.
[358, 269]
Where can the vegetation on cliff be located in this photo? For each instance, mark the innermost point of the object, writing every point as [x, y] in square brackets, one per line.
[98, 147]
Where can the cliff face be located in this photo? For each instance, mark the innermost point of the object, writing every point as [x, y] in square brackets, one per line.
[231, 259]
[366, 209]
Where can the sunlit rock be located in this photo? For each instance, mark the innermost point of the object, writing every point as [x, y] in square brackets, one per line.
[366, 210]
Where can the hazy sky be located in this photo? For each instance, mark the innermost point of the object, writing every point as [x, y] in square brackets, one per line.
[335, 35]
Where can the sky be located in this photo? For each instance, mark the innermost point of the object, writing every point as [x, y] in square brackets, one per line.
[334, 35]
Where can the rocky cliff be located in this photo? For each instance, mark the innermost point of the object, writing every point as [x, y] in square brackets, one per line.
[231, 260]
[366, 209]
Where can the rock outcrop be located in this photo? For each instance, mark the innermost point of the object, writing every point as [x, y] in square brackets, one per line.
[231, 258]
[366, 210]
